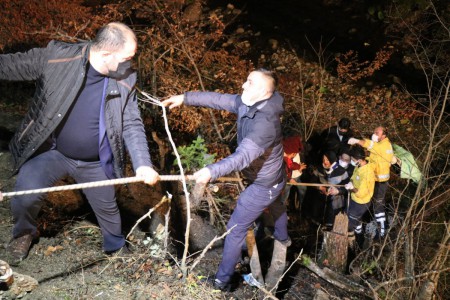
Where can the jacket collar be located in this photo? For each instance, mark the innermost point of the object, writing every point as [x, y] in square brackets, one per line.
[254, 108]
[274, 105]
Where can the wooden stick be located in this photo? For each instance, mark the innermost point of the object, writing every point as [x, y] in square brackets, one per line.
[315, 184]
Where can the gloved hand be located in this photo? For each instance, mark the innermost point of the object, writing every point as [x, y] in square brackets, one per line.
[349, 186]
[352, 141]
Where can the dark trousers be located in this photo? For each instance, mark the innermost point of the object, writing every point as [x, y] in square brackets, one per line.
[287, 189]
[250, 205]
[379, 205]
[355, 213]
[43, 171]
[334, 205]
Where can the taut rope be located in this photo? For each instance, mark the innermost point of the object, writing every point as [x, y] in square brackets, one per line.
[124, 181]
[93, 184]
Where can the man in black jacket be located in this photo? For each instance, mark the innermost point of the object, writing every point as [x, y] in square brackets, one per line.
[83, 115]
[336, 137]
[259, 156]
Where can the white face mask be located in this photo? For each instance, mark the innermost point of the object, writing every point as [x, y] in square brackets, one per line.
[375, 138]
[251, 97]
[343, 164]
[354, 163]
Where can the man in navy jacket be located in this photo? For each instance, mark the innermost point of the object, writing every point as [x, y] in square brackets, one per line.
[83, 115]
[259, 156]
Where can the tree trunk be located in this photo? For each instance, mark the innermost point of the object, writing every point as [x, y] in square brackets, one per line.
[335, 245]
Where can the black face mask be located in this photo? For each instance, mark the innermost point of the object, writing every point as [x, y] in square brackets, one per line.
[342, 133]
[123, 69]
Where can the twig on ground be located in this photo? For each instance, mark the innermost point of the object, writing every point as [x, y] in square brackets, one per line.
[166, 228]
[215, 239]
[287, 270]
[155, 101]
[333, 278]
[163, 200]
[214, 204]
[73, 269]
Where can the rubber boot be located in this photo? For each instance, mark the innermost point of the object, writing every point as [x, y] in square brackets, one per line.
[277, 264]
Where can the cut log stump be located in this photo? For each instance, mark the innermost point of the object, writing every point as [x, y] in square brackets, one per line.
[335, 245]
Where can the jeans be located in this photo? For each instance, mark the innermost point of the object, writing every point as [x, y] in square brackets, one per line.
[47, 168]
[250, 205]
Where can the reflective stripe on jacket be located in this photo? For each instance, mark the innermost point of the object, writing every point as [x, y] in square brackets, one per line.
[381, 155]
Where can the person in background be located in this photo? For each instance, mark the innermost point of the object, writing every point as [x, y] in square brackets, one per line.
[335, 137]
[292, 147]
[329, 165]
[83, 115]
[336, 196]
[361, 187]
[381, 156]
[259, 155]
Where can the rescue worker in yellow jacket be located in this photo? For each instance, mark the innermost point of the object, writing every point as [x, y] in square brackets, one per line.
[361, 187]
[381, 156]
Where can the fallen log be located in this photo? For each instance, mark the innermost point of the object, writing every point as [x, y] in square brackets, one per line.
[334, 278]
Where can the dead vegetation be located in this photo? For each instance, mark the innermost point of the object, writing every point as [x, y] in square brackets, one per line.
[187, 49]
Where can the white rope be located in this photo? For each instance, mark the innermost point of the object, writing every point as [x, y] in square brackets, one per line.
[92, 185]
[124, 181]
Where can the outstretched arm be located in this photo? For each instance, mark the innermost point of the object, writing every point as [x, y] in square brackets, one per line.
[174, 101]
[205, 99]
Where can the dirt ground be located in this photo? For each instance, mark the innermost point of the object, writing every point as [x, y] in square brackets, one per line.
[68, 261]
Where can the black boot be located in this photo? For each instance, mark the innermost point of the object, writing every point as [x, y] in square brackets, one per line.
[359, 238]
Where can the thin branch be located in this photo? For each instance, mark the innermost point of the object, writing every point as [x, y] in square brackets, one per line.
[147, 215]
[215, 239]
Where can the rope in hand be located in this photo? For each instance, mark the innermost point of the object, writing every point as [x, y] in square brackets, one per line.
[124, 181]
[92, 185]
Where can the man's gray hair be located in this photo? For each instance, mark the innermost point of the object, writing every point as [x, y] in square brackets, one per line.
[113, 37]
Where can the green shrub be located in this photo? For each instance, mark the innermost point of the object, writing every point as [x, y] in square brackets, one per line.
[195, 156]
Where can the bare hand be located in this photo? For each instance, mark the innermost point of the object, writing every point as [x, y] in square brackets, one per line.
[323, 190]
[202, 175]
[333, 191]
[174, 101]
[148, 174]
